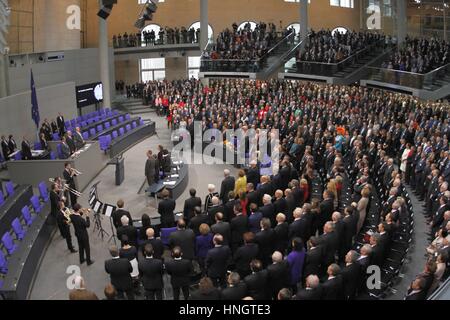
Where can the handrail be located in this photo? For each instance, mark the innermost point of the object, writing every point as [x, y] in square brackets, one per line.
[345, 60]
[290, 35]
[413, 73]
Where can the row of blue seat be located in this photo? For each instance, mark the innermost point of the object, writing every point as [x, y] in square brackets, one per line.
[106, 140]
[9, 186]
[18, 227]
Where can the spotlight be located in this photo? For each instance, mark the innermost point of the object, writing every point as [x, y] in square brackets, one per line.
[146, 14]
[106, 9]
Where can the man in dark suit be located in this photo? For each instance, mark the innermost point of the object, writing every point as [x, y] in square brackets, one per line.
[223, 228]
[281, 233]
[211, 194]
[70, 142]
[190, 205]
[264, 188]
[266, 242]
[254, 219]
[326, 210]
[119, 270]
[63, 223]
[314, 259]
[236, 289]
[333, 288]
[245, 254]
[278, 274]
[127, 230]
[226, 186]
[378, 252]
[252, 196]
[253, 175]
[5, 148]
[198, 219]
[180, 271]
[268, 210]
[119, 213]
[328, 240]
[351, 274]
[157, 245]
[279, 204]
[416, 290]
[299, 228]
[151, 168]
[312, 291]
[69, 175]
[151, 270]
[26, 149]
[297, 193]
[65, 150]
[215, 208]
[12, 144]
[78, 138]
[238, 226]
[166, 209]
[61, 124]
[217, 261]
[257, 281]
[55, 198]
[185, 239]
[80, 226]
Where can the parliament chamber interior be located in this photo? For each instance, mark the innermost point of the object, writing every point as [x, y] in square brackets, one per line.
[224, 150]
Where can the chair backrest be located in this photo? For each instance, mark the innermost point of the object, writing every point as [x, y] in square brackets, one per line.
[121, 131]
[26, 214]
[84, 124]
[67, 124]
[43, 191]
[18, 229]
[141, 122]
[114, 122]
[133, 125]
[86, 135]
[107, 125]
[99, 128]
[115, 135]
[2, 198]
[103, 143]
[73, 122]
[18, 156]
[36, 204]
[121, 119]
[8, 243]
[127, 116]
[165, 235]
[59, 150]
[9, 188]
[128, 127]
[56, 137]
[3, 263]
[92, 132]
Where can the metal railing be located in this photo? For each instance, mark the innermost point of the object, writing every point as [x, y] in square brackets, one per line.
[408, 79]
[246, 65]
[330, 69]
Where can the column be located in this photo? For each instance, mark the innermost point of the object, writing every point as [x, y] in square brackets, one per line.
[203, 24]
[304, 24]
[401, 21]
[4, 64]
[104, 60]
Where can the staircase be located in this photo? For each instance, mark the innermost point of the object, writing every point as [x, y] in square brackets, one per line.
[132, 106]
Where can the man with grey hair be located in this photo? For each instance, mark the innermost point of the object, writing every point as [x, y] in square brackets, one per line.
[78, 138]
[312, 290]
[236, 289]
[253, 175]
[299, 228]
[333, 288]
[378, 250]
[214, 208]
[127, 230]
[278, 274]
[351, 274]
[329, 241]
[226, 186]
[268, 210]
[211, 194]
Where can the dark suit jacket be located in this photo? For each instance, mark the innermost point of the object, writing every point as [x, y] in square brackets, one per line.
[257, 285]
[212, 212]
[118, 214]
[253, 176]
[266, 242]
[158, 247]
[54, 203]
[268, 211]
[197, 221]
[236, 293]
[130, 232]
[80, 225]
[179, 271]
[326, 210]
[280, 206]
[185, 239]
[152, 272]
[5, 149]
[333, 289]
[309, 294]
[281, 237]
[212, 295]
[71, 145]
[166, 210]
[313, 262]
[351, 277]
[330, 245]
[299, 228]
[226, 186]
[239, 226]
[228, 209]
[224, 229]
[416, 296]
[377, 257]
[217, 261]
[263, 189]
[26, 151]
[119, 271]
[243, 256]
[278, 277]
[189, 207]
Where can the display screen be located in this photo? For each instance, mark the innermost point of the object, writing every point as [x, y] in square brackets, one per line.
[89, 94]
